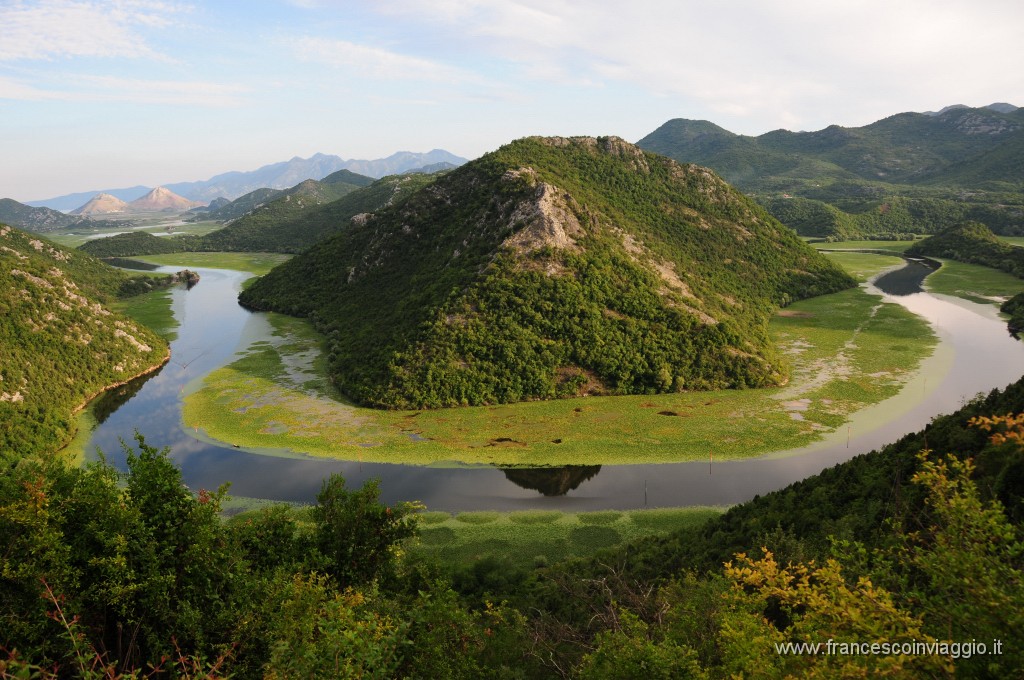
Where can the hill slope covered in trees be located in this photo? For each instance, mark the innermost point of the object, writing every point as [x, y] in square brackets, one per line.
[552, 267]
[973, 243]
[59, 344]
[38, 220]
[906, 173]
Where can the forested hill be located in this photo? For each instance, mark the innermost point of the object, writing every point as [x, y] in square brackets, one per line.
[58, 342]
[281, 226]
[552, 267]
[973, 243]
[34, 219]
[905, 173]
[907, 148]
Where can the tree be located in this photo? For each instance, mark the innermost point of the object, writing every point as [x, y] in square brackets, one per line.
[358, 537]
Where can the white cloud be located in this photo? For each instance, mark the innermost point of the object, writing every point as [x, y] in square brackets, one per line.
[181, 92]
[780, 59]
[375, 62]
[54, 29]
[13, 89]
[93, 89]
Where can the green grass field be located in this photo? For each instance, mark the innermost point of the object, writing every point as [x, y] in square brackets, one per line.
[893, 246]
[525, 539]
[1013, 240]
[257, 263]
[153, 225]
[973, 282]
[538, 537]
[863, 266]
[847, 351]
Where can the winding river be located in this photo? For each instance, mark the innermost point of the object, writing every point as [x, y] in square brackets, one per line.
[975, 354]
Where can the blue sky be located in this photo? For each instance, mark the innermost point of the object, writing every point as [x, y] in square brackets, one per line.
[107, 94]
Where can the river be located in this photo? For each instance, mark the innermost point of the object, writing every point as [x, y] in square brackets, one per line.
[974, 343]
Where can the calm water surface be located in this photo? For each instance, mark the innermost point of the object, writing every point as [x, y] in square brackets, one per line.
[976, 347]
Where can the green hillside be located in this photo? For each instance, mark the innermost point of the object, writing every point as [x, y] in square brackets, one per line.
[292, 223]
[59, 344]
[240, 206]
[973, 243]
[39, 220]
[131, 243]
[284, 206]
[552, 267]
[909, 173]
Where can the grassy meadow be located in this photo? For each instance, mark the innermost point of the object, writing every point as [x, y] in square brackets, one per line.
[1013, 240]
[891, 246]
[256, 263]
[157, 224]
[846, 351]
[535, 538]
[973, 282]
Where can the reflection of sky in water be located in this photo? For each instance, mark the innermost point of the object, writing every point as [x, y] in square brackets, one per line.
[213, 326]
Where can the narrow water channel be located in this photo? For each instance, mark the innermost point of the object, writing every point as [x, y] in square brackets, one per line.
[212, 326]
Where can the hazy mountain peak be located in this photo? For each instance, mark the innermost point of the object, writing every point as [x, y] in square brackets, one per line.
[281, 175]
[101, 204]
[162, 199]
[998, 107]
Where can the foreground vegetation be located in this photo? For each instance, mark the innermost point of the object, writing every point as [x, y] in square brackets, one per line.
[900, 546]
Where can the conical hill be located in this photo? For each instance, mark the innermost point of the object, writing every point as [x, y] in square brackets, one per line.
[552, 267]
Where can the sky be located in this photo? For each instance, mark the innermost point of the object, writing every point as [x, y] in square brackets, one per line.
[97, 95]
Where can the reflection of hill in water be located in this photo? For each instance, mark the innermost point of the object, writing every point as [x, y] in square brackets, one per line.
[113, 399]
[551, 481]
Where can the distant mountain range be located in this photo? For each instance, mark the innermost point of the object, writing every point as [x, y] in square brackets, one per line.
[908, 173]
[159, 199]
[272, 220]
[281, 175]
